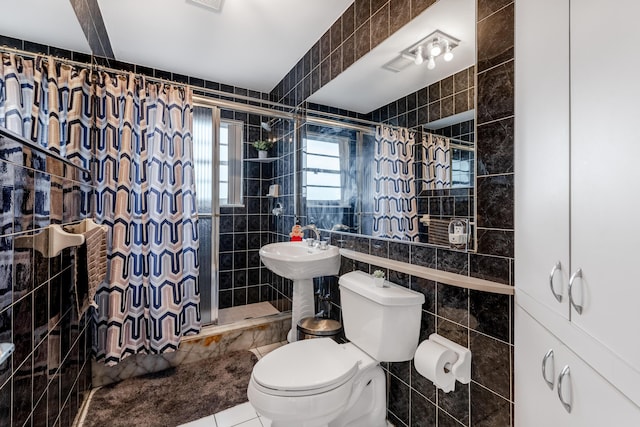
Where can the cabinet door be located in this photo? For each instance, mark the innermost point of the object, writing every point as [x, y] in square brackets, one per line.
[594, 402]
[605, 172]
[542, 149]
[536, 404]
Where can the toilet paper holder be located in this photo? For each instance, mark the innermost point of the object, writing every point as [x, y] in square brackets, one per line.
[461, 368]
[458, 368]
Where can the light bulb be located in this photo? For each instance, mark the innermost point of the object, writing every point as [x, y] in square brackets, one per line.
[448, 55]
[431, 63]
[436, 49]
[419, 59]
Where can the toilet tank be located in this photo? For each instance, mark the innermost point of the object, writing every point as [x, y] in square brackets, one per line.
[383, 322]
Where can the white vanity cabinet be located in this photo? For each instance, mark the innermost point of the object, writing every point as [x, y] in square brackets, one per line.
[577, 164]
[585, 398]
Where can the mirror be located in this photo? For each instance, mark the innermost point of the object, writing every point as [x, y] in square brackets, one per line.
[340, 162]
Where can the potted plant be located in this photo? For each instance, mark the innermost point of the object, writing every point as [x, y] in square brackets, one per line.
[262, 147]
[378, 278]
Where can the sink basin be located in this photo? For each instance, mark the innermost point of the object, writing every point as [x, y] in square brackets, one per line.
[301, 263]
[297, 260]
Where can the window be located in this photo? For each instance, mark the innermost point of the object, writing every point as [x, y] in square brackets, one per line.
[229, 164]
[323, 178]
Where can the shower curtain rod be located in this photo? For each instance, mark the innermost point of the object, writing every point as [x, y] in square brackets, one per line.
[97, 67]
[286, 112]
[463, 145]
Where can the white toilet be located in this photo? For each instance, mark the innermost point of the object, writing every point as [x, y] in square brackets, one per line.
[318, 382]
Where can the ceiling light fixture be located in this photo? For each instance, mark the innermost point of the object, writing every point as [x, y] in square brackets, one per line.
[435, 47]
[419, 58]
[431, 63]
[448, 55]
[426, 50]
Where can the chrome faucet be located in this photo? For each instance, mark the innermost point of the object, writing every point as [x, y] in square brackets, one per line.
[313, 228]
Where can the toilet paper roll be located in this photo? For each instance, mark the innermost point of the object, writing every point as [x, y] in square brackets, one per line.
[431, 359]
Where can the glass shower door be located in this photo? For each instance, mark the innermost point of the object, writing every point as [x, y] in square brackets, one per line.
[206, 159]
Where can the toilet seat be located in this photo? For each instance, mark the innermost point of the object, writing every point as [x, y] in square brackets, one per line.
[305, 368]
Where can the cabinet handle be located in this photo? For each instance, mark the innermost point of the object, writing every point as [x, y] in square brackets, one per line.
[555, 268]
[574, 276]
[544, 368]
[565, 373]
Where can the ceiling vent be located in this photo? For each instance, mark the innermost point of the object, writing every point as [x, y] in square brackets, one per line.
[215, 5]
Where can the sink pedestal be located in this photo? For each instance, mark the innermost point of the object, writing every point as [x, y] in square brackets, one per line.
[302, 305]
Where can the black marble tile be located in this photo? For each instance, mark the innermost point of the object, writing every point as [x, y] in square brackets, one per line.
[495, 39]
[380, 248]
[336, 34]
[423, 412]
[495, 147]
[239, 260]
[380, 25]
[226, 261]
[336, 63]
[22, 393]
[435, 111]
[399, 399]
[325, 45]
[453, 303]
[325, 71]
[239, 296]
[363, 39]
[453, 332]
[488, 409]
[453, 261]
[490, 314]
[362, 11]
[495, 93]
[490, 268]
[446, 420]
[456, 402]
[487, 7]
[491, 363]
[399, 14]
[424, 256]
[495, 201]
[225, 298]
[348, 21]
[428, 288]
[461, 102]
[11, 42]
[348, 52]
[6, 326]
[22, 328]
[402, 370]
[419, 6]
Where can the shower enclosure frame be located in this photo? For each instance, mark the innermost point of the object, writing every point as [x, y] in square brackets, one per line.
[216, 105]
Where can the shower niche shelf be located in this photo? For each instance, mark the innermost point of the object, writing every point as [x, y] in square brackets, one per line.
[263, 160]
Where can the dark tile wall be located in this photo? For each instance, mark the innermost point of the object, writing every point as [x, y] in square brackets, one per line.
[244, 229]
[478, 320]
[363, 26]
[452, 95]
[44, 381]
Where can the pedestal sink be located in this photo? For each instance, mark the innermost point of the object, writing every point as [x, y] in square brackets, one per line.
[301, 263]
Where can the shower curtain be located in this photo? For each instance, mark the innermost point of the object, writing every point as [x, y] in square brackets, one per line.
[144, 190]
[146, 193]
[395, 213]
[436, 167]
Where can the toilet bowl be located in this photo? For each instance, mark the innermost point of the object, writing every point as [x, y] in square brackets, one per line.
[320, 383]
[317, 382]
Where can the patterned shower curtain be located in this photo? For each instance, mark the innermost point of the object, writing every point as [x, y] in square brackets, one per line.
[146, 193]
[395, 214]
[436, 167]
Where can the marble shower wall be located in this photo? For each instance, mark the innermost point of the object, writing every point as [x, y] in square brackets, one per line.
[44, 381]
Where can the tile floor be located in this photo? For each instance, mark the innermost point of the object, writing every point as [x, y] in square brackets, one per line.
[242, 415]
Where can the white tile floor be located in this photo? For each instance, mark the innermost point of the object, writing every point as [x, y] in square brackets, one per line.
[242, 415]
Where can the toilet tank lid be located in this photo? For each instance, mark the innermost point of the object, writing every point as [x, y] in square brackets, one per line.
[391, 294]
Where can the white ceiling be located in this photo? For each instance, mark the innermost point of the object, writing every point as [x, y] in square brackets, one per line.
[365, 85]
[251, 44]
[50, 22]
